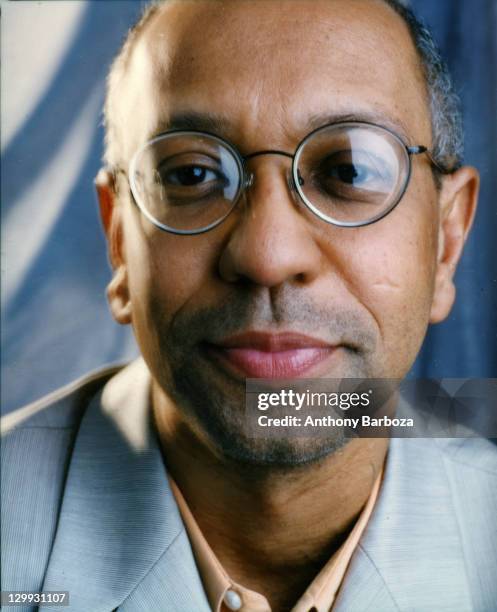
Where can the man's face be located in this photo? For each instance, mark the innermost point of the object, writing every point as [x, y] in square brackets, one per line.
[274, 290]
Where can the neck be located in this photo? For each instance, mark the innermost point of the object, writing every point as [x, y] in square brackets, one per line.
[265, 524]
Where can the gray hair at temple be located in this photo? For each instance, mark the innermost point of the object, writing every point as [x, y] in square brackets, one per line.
[443, 101]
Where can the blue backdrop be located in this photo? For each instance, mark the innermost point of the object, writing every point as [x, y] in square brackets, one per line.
[56, 324]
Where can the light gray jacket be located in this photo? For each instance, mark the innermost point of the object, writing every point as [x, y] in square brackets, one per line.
[86, 508]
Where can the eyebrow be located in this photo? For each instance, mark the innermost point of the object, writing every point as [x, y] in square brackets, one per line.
[205, 122]
[220, 125]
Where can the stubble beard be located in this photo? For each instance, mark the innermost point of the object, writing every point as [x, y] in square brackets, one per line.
[216, 402]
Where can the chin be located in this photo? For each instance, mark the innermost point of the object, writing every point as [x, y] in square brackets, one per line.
[279, 454]
[230, 425]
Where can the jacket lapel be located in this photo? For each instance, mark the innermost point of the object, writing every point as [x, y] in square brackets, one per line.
[120, 537]
[411, 555]
[364, 588]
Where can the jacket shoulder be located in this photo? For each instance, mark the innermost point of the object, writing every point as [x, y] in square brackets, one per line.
[37, 443]
[61, 409]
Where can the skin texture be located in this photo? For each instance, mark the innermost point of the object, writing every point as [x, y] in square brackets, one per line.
[272, 266]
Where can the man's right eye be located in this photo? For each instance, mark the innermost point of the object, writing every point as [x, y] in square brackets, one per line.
[188, 176]
[190, 180]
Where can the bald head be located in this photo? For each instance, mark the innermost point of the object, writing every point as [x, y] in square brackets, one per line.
[171, 34]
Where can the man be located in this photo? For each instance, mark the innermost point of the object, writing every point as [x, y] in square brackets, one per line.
[283, 198]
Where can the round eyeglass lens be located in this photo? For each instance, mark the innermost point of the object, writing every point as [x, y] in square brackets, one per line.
[186, 182]
[351, 174]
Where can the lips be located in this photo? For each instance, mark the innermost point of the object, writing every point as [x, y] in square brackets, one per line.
[264, 355]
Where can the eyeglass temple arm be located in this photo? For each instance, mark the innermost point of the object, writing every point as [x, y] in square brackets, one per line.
[115, 171]
[422, 149]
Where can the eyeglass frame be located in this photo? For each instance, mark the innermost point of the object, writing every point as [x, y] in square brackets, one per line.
[247, 178]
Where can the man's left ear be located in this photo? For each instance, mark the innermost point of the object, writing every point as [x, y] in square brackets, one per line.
[457, 201]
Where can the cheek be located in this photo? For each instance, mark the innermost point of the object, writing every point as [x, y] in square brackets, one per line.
[166, 273]
[400, 269]
[390, 269]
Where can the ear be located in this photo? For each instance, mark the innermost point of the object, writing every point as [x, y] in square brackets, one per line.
[458, 198]
[112, 220]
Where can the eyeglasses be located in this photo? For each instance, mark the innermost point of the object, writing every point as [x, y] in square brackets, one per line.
[348, 174]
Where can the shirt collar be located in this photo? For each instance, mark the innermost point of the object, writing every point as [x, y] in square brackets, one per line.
[319, 596]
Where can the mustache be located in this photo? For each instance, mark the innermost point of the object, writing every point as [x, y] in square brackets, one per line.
[286, 310]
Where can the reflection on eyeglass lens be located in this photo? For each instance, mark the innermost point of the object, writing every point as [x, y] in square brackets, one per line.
[350, 175]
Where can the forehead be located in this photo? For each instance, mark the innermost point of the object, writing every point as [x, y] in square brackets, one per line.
[265, 67]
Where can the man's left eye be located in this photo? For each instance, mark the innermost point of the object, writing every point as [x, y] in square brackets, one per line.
[351, 174]
[346, 173]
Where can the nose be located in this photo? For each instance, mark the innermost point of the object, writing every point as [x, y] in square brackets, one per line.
[272, 241]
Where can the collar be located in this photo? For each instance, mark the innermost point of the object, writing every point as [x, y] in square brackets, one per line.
[320, 594]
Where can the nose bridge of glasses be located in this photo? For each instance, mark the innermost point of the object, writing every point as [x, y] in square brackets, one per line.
[249, 181]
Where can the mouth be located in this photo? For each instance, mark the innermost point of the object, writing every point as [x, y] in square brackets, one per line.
[265, 355]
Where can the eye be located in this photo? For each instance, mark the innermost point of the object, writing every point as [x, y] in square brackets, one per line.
[357, 169]
[352, 174]
[189, 176]
[191, 172]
